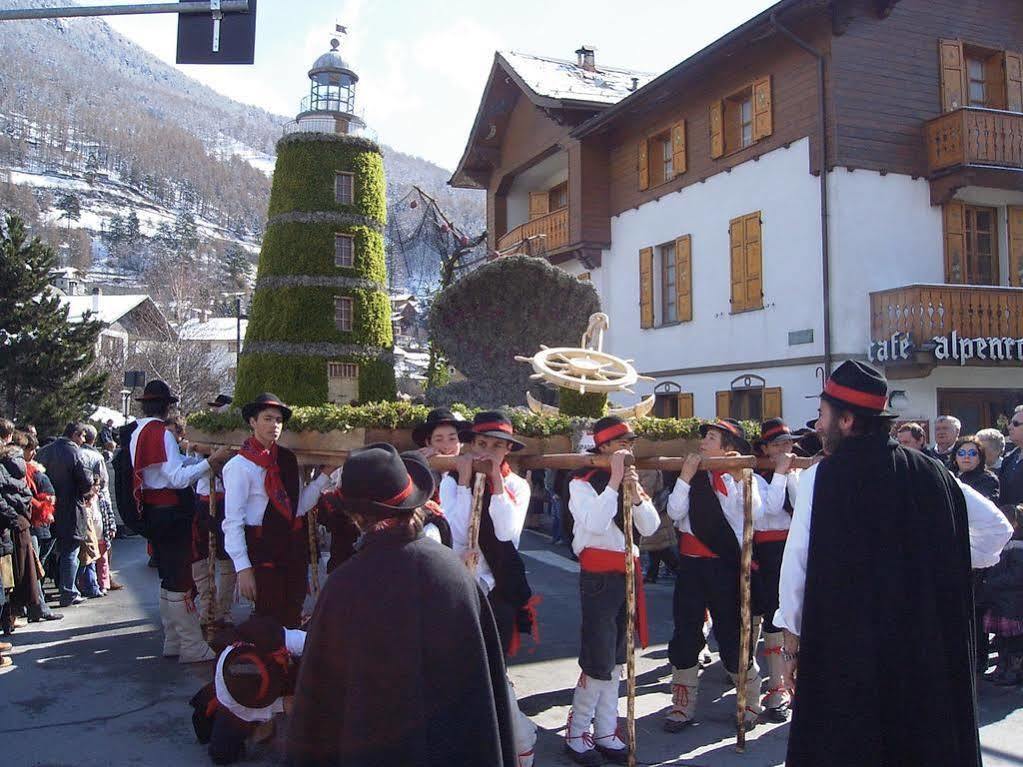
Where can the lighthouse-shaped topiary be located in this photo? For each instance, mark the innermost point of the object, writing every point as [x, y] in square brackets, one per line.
[320, 324]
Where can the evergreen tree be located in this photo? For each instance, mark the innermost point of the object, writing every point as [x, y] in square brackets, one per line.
[133, 228]
[44, 358]
[70, 207]
[236, 265]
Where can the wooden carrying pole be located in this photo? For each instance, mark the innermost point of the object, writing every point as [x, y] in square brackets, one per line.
[630, 624]
[211, 560]
[312, 524]
[745, 618]
[479, 484]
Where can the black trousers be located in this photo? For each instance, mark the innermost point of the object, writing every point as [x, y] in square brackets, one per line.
[506, 618]
[768, 556]
[227, 742]
[602, 632]
[705, 584]
[668, 555]
[170, 533]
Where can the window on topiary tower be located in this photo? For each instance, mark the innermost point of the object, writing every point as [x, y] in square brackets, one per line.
[342, 382]
[344, 188]
[344, 313]
[344, 250]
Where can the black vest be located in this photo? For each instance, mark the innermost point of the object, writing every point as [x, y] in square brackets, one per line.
[598, 479]
[707, 519]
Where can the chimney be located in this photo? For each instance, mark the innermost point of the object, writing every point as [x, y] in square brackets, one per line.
[95, 300]
[635, 84]
[586, 58]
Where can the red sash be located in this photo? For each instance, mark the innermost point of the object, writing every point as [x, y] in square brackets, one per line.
[206, 499]
[691, 546]
[150, 451]
[770, 536]
[607, 561]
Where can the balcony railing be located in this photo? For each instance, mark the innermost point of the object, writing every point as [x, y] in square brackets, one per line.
[975, 137]
[539, 236]
[926, 311]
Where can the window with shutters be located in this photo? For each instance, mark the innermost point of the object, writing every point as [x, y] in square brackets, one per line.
[344, 313]
[344, 250]
[669, 303]
[344, 188]
[985, 78]
[583, 277]
[971, 244]
[673, 405]
[1015, 246]
[558, 197]
[742, 118]
[745, 241]
[660, 154]
[753, 403]
[979, 77]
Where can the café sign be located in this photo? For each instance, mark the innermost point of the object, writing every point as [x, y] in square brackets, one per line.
[900, 347]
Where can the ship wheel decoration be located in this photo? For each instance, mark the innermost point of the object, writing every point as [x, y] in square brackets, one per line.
[588, 370]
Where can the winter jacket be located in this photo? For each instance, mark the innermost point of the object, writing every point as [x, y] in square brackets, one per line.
[15, 497]
[983, 481]
[63, 462]
[664, 536]
[1010, 474]
[43, 490]
[1002, 591]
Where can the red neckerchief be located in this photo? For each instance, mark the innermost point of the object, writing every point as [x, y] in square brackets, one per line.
[149, 451]
[717, 480]
[267, 459]
[505, 471]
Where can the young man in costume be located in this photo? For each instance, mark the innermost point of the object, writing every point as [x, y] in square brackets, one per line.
[881, 547]
[595, 501]
[777, 488]
[163, 488]
[708, 511]
[438, 435]
[265, 509]
[500, 571]
[402, 663]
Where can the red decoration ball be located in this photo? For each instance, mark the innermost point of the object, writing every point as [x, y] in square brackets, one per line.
[443, 227]
[413, 204]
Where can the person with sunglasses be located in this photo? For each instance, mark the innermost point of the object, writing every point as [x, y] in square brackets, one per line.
[971, 468]
[1010, 474]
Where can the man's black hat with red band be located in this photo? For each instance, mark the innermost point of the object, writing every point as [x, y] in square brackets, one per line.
[858, 387]
[732, 428]
[491, 423]
[608, 429]
[262, 402]
[775, 430]
[377, 475]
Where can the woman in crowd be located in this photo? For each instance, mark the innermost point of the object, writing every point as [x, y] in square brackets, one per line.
[971, 468]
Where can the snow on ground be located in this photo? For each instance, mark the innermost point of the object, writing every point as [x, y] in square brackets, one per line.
[230, 147]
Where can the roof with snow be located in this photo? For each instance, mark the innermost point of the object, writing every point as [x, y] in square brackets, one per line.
[107, 309]
[560, 79]
[213, 329]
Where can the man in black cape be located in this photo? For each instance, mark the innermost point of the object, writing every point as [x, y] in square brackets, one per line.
[876, 597]
[402, 664]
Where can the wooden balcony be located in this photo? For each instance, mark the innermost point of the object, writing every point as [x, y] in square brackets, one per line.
[927, 311]
[974, 137]
[538, 237]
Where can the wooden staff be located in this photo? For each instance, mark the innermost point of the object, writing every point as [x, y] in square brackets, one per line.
[211, 559]
[312, 523]
[745, 619]
[630, 624]
[479, 484]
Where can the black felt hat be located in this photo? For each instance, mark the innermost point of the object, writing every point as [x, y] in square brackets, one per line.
[261, 403]
[157, 390]
[775, 430]
[608, 429]
[440, 417]
[378, 475]
[732, 428]
[858, 387]
[491, 423]
[255, 678]
[221, 401]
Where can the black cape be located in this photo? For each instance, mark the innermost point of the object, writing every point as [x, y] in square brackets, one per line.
[402, 665]
[886, 659]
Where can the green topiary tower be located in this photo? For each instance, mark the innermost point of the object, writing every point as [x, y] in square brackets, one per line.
[320, 324]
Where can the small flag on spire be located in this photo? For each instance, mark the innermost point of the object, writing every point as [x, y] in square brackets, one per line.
[340, 29]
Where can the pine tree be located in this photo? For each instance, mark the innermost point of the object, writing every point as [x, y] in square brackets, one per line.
[44, 358]
[133, 228]
[70, 207]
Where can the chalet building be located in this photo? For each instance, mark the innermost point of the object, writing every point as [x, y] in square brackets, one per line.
[130, 322]
[830, 180]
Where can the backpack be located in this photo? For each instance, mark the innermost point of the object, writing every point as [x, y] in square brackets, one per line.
[124, 481]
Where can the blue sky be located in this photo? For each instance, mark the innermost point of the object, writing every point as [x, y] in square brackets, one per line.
[423, 64]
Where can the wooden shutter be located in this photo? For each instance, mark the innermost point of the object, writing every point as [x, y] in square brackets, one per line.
[763, 113]
[772, 403]
[953, 75]
[685, 405]
[644, 165]
[717, 130]
[1013, 81]
[954, 215]
[736, 237]
[678, 148]
[754, 262]
[723, 400]
[646, 288]
[1016, 246]
[539, 204]
[684, 278]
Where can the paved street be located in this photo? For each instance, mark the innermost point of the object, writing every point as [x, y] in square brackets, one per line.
[93, 691]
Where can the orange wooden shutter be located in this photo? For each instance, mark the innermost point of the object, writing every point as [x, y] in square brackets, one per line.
[763, 113]
[539, 204]
[644, 165]
[737, 237]
[772, 403]
[678, 148]
[754, 262]
[717, 129]
[723, 401]
[685, 405]
[955, 241]
[684, 277]
[1016, 246]
[1013, 81]
[953, 75]
[646, 288]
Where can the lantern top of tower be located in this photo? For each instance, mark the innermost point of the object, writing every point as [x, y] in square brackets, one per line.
[331, 61]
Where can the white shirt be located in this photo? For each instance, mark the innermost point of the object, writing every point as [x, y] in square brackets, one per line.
[772, 515]
[731, 505]
[175, 473]
[245, 501]
[294, 641]
[202, 487]
[989, 530]
[594, 516]
[507, 511]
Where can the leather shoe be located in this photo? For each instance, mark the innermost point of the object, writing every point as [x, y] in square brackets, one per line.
[50, 616]
[76, 601]
[115, 586]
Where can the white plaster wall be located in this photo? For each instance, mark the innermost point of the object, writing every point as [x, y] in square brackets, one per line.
[923, 392]
[782, 188]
